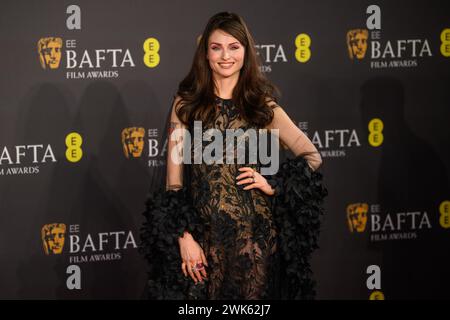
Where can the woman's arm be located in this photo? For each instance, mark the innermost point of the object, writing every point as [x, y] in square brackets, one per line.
[174, 176]
[190, 251]
[293, 138]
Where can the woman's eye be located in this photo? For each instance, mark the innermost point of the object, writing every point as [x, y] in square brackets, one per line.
[233, 48]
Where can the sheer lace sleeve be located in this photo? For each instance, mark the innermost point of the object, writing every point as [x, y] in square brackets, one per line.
[174, 176]
[292, 138]
[297, 207]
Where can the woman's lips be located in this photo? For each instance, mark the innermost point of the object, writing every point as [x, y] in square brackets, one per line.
[226, 65]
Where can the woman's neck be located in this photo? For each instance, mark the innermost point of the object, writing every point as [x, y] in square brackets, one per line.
[225, 85]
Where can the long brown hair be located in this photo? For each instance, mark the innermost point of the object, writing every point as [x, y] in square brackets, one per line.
[252, 91]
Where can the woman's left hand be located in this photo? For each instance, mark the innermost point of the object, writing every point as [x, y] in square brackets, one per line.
[254, 180]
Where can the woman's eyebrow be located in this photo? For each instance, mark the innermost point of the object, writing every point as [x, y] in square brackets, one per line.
[221, 44]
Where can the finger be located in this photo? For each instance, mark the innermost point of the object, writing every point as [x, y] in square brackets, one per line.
[183, 268]
[205, 263]
[198, 275]
[194, 271]
[243, 181]
[192, 274]
[246, 169]
[252, 186]
[245, 174]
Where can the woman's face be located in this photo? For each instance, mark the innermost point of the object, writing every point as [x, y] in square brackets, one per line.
[225, 54]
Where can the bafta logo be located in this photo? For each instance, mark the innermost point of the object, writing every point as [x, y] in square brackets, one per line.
[49, 50]
[53, 236]
[357, 43]
[357, 216]
[133, 141]
[376, 295]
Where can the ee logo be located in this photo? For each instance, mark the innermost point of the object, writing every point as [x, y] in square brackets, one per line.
[445, 43]
[74, 153]
[303, 44]
[376, 132]
[151, 49]
[444, 211]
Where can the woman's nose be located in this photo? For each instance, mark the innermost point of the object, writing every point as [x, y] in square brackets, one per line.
[225, 54]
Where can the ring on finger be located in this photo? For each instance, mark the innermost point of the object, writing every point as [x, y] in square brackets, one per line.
[198, 266]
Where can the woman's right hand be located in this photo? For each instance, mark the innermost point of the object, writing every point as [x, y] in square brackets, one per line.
[192, 254]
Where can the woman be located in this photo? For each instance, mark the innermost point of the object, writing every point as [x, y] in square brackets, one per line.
[223, 230]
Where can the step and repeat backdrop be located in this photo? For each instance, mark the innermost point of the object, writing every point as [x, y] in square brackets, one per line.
[85, 87]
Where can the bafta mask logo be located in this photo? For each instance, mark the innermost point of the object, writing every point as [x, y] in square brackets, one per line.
[53, 236]
[376, 295]
[133, 141]
[357, 216]
[49, 50]
[357, 43]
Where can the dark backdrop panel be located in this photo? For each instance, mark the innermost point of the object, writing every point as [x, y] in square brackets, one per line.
[399, 189]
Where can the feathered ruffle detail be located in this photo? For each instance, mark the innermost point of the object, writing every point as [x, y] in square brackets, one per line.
[297, 210]
[168, 214]
[297, 207]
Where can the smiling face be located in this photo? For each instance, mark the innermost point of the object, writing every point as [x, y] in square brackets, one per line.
[225, 54]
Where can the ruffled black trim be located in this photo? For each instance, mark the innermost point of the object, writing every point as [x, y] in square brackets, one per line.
[297, 209]
[274, 183]
[168, 214]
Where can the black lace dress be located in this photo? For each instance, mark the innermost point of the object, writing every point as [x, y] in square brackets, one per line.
[257, 246]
